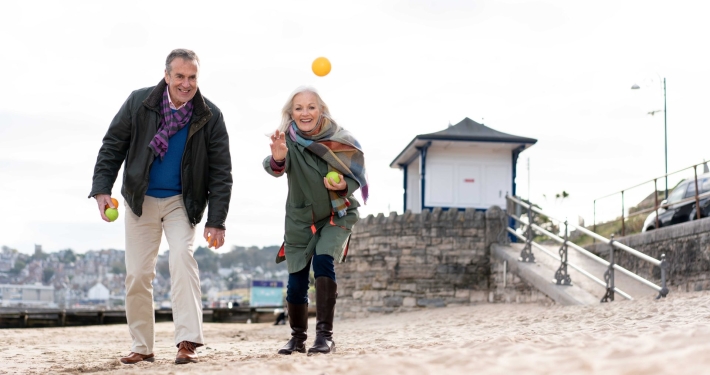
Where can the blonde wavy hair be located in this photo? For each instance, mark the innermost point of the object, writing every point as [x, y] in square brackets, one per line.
[287, 109]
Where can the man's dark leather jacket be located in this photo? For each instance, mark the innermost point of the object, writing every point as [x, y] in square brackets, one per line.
[206, 162]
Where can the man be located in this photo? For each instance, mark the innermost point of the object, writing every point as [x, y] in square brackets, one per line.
[176, 150]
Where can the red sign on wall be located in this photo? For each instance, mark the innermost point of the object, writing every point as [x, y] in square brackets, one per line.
[470, 180]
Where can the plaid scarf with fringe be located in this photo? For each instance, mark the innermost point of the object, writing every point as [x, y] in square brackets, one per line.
[170, 123]
[339, 148]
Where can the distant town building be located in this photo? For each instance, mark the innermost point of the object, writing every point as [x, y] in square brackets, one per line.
[96, 279]
[7, 260]
[98, 293]
[12, 295]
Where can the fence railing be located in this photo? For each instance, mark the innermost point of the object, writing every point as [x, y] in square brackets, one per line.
[561, 276]
[657, 205]
[30, 318]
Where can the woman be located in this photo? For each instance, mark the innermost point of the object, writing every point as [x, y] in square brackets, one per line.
[320, 211]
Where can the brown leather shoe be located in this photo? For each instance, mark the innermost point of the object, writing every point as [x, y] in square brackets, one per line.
[186, 353]
[137, 357]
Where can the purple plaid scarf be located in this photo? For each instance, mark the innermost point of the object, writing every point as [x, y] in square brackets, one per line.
[170, 123]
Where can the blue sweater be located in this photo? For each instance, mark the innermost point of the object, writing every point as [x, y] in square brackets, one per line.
[165, 175]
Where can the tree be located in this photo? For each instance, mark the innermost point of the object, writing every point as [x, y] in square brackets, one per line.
[47, 274]
[163, 267]
[19, 266]
[39, 255]
[562, 196]
[67, 256]
[251, 257]
[233, 281]
[8, 249]
[559, 200]
[118, 268]
[207, 260]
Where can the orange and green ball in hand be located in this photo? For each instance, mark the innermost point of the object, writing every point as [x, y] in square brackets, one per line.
[111, 213]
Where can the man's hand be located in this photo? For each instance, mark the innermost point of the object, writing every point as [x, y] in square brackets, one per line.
[102, 200]
[278, 146]
[214, 237]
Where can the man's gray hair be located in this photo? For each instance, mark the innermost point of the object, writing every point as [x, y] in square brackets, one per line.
[184, 54]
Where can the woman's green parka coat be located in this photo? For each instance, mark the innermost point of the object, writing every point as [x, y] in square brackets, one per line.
[310, 223]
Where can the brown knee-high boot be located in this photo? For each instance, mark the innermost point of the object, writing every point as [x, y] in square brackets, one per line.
[298, 319]
[326, 293]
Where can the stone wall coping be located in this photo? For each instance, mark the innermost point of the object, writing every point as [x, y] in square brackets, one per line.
[434, 215]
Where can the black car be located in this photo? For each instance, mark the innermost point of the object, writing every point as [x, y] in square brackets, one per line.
[681, 204]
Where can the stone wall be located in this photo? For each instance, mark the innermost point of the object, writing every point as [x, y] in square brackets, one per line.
[687, 249]
[442, 258]
[413, 261]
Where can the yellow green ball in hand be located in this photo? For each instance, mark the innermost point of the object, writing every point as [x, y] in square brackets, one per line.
[111, 214]
[333, 177]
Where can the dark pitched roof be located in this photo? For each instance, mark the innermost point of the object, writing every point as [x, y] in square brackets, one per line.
[465, 131]
[469, 130]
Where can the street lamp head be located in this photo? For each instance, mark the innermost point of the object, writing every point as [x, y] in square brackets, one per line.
[635, 87]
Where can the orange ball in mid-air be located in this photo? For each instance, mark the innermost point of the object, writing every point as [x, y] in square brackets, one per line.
[321, 66]
[115, 203]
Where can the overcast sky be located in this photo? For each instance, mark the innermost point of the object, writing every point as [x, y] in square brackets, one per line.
[558, 71]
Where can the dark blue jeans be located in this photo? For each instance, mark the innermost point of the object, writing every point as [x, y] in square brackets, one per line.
[297, 289]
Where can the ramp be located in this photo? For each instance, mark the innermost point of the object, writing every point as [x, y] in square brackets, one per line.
[621, 281]
[540, 276]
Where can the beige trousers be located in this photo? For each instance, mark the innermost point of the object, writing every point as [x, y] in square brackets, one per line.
[143, 236]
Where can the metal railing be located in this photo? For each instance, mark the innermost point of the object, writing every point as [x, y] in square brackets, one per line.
[561, 276]
[657, 205]
[28, 318]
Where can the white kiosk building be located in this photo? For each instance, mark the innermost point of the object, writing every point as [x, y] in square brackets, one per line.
[98, 293]
[465, 165]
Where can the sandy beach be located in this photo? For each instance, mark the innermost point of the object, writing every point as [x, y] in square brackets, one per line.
[647, 336]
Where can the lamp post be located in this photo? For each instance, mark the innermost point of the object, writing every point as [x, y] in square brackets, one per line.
[665, 129]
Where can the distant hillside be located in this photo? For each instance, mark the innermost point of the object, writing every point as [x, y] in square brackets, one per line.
[244, 262]
[246, 258]
[251, 257]
[648, 202]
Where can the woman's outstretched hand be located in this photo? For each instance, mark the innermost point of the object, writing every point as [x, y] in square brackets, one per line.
[278, 145]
